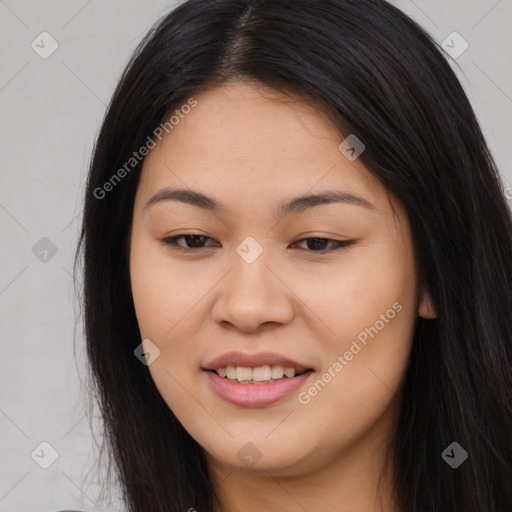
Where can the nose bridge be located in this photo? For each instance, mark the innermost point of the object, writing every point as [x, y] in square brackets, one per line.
[251, 293]
[251, 273]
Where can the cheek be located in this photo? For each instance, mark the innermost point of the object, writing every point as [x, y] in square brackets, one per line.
[352, 294]
[361, 379]
[371, 307]
[163, 291]
[166, 296]
[162, 297]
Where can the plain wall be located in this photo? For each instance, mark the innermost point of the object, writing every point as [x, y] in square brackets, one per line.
[51, 110]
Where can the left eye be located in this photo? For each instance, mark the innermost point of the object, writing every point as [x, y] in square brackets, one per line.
[315, 244]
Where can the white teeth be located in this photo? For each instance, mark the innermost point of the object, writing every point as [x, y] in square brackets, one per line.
[261, 373]
[264, 373]
[289, 372]
[231, 372]
[243, 373]
[277, 372]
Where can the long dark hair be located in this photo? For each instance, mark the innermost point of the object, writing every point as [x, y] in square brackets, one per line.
[381, 77]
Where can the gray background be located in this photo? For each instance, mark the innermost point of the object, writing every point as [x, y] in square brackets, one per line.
[51, 110]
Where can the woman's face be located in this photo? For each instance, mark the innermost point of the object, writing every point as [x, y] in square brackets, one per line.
[248, 285]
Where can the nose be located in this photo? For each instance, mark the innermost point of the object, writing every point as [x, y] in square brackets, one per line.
[253, 297]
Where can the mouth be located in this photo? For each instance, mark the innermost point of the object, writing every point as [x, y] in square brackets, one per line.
[255, 380]
[259, 375]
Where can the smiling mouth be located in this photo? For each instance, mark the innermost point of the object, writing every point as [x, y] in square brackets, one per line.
[259, 375]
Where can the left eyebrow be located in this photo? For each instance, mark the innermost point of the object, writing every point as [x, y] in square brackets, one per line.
[306, 202]
[296, 205]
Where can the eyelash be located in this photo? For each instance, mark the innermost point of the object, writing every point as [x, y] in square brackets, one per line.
[171, 242]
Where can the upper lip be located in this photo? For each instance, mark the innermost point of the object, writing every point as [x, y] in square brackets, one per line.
[253, 361]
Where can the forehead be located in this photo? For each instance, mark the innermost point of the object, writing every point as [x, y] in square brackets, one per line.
[249, 143]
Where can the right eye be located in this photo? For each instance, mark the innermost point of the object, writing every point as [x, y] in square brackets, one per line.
[194, 240]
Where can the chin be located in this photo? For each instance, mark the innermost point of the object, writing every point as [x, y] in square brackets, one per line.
[262, 455]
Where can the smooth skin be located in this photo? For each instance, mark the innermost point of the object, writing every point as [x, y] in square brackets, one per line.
[251, 148]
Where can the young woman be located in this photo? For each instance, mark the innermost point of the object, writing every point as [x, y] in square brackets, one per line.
[297, 267]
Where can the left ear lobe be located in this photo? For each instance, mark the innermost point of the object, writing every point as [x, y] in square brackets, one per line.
[426, 308]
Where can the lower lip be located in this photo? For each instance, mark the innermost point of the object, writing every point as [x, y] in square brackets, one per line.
[255, 395]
